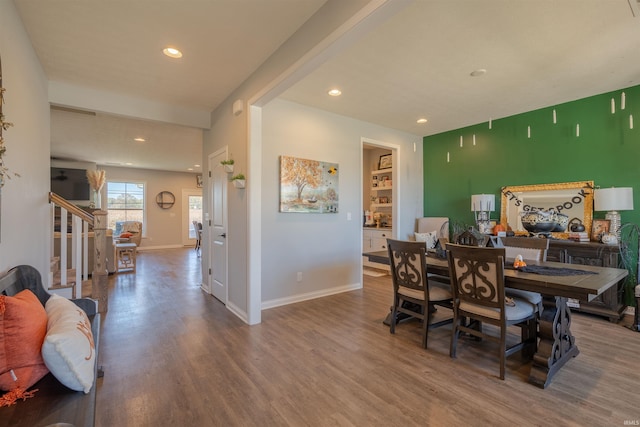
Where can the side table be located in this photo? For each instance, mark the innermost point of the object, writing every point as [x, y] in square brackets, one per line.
[125, 256]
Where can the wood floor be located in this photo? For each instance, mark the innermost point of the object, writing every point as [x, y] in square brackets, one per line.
[174, 356]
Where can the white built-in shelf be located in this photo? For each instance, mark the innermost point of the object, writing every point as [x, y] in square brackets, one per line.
[381, 205]
[380, 188]
[381, 171]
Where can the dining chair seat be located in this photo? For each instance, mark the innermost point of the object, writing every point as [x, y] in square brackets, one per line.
[437, 292]
[521, 309]
[531, 297]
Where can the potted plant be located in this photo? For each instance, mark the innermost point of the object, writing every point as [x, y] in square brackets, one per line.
[228, 165]
[239, 181]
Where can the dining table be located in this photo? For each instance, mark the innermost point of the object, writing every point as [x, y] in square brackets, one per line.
[556, 283]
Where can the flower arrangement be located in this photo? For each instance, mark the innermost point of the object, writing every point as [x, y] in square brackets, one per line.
[4, 171]
[237, 177]
[227, 162]
[96, 179]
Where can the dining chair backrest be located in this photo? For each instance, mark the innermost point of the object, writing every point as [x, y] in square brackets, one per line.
[408, 265]
[477, 276]
[531, 248]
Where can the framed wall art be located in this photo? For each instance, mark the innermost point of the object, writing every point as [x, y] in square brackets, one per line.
[308, 186]
[386, 161]
[598, 228]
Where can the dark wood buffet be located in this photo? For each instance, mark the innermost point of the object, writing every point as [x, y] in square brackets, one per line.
[610, 304]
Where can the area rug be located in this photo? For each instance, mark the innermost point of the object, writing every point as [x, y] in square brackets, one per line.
[374, 272]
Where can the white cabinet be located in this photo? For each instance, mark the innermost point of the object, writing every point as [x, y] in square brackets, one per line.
[374, 240]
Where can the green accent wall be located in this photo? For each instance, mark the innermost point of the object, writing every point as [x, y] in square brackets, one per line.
[606, 151]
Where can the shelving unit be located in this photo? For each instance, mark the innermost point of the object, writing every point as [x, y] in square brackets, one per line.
[382, 186]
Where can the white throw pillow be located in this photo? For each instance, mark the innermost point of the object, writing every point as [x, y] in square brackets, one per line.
[68, 349]
[430, 238]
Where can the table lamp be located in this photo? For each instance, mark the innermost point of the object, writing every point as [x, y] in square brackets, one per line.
[482, 205]
[613, 200]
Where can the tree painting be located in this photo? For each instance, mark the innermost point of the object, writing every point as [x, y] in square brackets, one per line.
[308, 185]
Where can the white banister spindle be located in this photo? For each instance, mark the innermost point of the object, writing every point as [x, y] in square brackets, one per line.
[77, 253]
[63, 246]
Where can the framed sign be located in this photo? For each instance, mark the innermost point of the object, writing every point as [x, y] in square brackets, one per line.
[386, 161]
[598, 228]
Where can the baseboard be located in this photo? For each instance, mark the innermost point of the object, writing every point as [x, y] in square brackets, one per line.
[151, 248]
[309, 295]
[238, 312]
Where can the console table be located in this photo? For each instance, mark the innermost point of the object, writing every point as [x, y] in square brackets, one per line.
[610, 303]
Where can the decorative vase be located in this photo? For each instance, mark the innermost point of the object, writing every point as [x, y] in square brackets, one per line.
[97, 200]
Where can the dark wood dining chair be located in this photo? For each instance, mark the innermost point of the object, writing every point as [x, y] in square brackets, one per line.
[532, 249]
[477, 282]
[413, 293]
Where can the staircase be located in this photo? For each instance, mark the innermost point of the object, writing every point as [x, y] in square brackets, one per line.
[74, 226]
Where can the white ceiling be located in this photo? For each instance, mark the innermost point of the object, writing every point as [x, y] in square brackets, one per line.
[415, 64]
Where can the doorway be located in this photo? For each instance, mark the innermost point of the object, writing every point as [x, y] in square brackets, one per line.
[191, 211]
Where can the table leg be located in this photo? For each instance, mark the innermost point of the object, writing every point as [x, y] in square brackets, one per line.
[557, 344]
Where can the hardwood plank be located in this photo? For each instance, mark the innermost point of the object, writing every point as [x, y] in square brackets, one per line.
[174, 355]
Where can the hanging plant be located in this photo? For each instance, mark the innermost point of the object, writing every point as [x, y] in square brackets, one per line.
[238, 180]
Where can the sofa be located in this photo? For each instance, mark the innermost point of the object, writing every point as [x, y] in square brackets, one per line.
[53, 402]
[111, 266]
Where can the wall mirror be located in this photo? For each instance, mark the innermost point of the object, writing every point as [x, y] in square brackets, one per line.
[574, 199]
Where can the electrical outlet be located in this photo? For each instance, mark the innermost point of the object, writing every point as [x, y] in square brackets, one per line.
[299, 276]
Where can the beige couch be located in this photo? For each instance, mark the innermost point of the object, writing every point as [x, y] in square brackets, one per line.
[111, 266]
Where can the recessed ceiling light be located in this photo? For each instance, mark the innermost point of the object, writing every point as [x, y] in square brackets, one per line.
[335, 92]
[189, 169]
[197, 166]
[479, 72]
[421, 121]
[172, 52]
[128, 163]
[139, 139]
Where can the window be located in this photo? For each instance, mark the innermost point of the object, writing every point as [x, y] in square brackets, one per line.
[125, 202]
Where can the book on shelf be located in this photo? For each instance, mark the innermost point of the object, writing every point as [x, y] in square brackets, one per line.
[581, 236]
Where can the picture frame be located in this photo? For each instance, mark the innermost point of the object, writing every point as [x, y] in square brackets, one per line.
[385, 162]
[383, 199]
[598, 228]
[199, 181]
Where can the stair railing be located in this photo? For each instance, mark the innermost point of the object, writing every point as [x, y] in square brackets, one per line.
[80, 221]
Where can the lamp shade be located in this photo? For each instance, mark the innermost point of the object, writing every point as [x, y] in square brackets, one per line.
[483, 203]
[613, 199]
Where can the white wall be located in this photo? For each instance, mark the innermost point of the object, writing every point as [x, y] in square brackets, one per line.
[326, 248]
[24, 208]
[163, 226]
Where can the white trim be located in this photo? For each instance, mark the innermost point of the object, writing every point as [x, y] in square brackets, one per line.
[254, 217]
[238, 312]
[310, 295]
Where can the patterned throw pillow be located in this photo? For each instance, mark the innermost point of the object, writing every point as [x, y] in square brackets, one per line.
[430, 238]
[68, 349]
[23, 325]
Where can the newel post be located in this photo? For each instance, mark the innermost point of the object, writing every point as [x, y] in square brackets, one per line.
[100, 276]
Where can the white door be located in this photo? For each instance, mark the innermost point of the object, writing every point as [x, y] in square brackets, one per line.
[218, 226]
